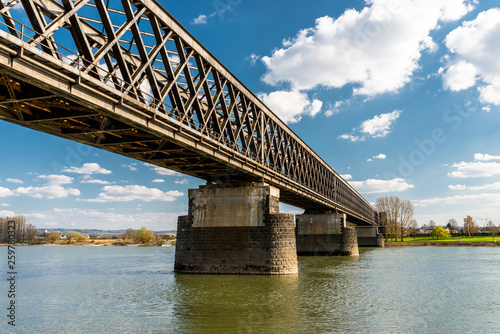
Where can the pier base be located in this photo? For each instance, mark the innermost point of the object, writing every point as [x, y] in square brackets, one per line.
[235, 230]
[325, 234]
[368, 236]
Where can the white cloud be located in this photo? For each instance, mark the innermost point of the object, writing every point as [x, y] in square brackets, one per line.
[474, 169]
[95, 181]
[376, 127]
[14, 180]
[4, 204]
[131, 166]
[5, 192]
[351, 137]
[346, 176]
[460, 76]
[253, 58]
[134, 192]
[485, 157]
[201, 19]
[183, 181]
[457, 187]
[161, 171]
[290, 106]
[475, 60]
[87, 168]
[373, 186]
[158, 180]
[458, 199]
[49, 192]
[7, 213]
[56, 180]
[94, 218]
[380, 156]
[491, 186]
[335, 109]
[377, 49]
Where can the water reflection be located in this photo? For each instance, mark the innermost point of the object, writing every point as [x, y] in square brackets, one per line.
[238, 304]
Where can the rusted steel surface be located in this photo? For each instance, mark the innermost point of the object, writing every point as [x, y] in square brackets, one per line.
[132, 80]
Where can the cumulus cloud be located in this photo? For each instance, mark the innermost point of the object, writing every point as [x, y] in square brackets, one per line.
[376, 49]
[346, 176]
[291, 105]
[373, 186]
[160, 170]
[183, 181]
[4, 204]
[53, 188]
[95, 181]
[14, 180]
[474, 169]
[131, 166]
[491, 186]
[201, 19]
[490, 198]
[87, 168]
[485, 157]
[49, 192]
[380, 156]
[56, 180]
[376, 127]
[6, 192]
[158, 180]
[475, 59]
[7, 213]
[134, 192]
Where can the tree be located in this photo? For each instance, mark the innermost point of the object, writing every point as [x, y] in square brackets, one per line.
[130, 233]
[52, 237]
[413, 228]
[470, 226]
[493, 229]
[399, 214]
[69, 236]
[439, 231]
[432, 224]
[144, 236]
[406, 212]
[80, 238]
[452, 225]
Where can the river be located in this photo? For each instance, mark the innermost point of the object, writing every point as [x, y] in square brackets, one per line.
[134, 290]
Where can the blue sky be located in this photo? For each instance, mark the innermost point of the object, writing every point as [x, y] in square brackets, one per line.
[400, 97]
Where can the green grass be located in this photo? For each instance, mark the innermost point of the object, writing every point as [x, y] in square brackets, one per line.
[455, 239]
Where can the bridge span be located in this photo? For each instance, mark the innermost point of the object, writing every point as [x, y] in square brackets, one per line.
[126, 77]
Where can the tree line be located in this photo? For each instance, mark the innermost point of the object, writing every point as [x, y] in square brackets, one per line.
[400, 221]
[24, 232]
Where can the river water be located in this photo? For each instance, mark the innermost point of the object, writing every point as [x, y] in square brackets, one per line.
[134, 290]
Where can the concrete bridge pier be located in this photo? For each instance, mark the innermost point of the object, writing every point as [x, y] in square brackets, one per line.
[325, 234]
[235, 230]
[369, 236]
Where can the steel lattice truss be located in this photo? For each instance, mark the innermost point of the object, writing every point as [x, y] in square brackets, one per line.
[134, 52]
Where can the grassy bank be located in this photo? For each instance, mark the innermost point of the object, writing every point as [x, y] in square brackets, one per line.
[456, 241]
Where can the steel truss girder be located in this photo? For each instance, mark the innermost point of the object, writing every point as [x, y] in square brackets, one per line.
[178, 79]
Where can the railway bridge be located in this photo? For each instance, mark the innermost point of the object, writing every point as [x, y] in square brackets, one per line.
[126, 77]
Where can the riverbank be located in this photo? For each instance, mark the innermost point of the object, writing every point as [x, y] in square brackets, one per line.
[442, 244]
[100, 243]
[457, 241]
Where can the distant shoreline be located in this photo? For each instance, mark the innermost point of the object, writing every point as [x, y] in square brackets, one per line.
[90, 245]
[441, 244]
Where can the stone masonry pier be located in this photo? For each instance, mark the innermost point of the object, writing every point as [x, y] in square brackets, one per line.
[325, 234]
[235, 230]
[368, 236]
